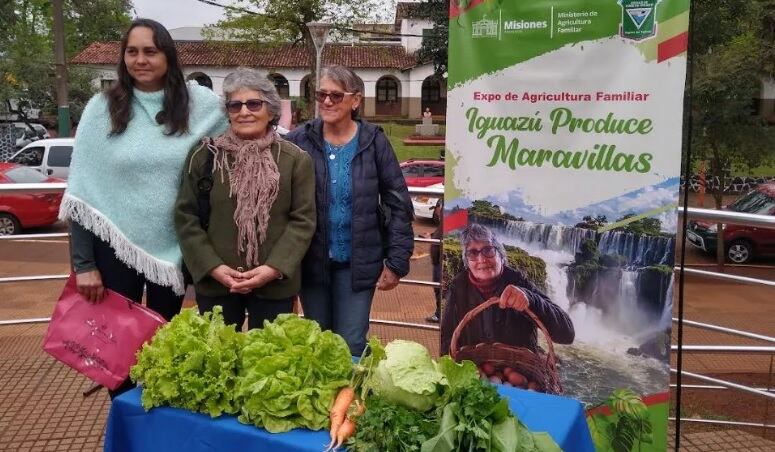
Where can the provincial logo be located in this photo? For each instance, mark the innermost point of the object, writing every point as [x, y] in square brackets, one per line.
[485, 28]
[638, 19]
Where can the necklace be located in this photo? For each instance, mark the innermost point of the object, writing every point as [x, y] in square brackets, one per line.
[350, 137]
[333, 149]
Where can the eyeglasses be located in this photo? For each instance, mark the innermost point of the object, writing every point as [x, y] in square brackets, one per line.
[254, 105]
[335, 96]
[487, 251]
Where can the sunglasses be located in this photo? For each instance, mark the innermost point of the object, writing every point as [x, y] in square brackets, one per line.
[487, 251]
[254, 105]
[335, 96]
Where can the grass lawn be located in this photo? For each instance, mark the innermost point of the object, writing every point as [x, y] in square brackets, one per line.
[397, 132]
[766, 170]
[759, 171]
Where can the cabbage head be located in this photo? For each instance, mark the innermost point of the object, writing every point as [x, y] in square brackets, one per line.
[408, 376]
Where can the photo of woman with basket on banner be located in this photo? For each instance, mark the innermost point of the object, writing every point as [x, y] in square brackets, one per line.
[493, 313]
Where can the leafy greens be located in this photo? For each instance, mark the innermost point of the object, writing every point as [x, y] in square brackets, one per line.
[290, 373]
[191, 363]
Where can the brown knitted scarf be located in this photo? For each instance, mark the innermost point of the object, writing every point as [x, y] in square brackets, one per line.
[487, 289]
[254, 179]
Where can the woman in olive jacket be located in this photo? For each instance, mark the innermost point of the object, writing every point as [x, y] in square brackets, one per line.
[247, 254]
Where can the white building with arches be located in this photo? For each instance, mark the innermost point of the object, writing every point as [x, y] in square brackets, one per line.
[397, 84]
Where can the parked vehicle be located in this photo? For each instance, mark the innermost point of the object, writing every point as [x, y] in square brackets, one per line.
[24, 135]
[50, 157]
[423, 173]
[424, 205]
[18, 211]
[742, 243]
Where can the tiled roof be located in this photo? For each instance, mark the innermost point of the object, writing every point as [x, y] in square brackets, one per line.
[199, 53]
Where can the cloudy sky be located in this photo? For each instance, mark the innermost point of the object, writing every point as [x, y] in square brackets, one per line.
[193, 13]
[636, 202]
[180, 13]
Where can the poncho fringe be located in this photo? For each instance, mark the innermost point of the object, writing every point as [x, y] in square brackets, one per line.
[155, 270]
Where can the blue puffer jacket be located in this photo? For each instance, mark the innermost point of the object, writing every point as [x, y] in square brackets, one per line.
[375, 172]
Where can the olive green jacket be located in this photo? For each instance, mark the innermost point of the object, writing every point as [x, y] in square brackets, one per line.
[290, 230]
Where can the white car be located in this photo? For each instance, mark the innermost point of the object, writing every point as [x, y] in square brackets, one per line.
[50, 157]
[424, 204]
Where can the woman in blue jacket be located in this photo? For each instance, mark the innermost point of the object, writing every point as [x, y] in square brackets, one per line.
[355, 248]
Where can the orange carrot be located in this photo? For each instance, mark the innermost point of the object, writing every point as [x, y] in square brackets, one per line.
[338, 411]
[346, 430]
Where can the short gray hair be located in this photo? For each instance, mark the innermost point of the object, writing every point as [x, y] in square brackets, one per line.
[246, 78]
[346, 78]
[478, 233]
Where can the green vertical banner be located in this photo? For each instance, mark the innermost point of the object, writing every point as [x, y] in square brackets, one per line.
[564, 135]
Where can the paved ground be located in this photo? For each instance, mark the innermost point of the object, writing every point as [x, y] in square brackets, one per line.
[43, 408]
[723, 441]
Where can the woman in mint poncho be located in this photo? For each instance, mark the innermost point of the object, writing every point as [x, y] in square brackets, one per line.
[130, 150]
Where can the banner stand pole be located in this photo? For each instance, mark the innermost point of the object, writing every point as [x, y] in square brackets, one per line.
[684, 223]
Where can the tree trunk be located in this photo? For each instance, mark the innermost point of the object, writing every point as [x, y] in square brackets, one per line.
[310, 45]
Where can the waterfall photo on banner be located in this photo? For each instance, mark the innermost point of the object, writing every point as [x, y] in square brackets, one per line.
[564, 137]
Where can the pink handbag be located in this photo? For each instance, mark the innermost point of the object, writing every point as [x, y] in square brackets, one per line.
[99, 340]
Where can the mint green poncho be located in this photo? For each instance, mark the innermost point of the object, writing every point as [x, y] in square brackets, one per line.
[123, 187]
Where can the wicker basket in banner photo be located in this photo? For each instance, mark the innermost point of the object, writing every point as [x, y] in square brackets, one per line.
[538, 369]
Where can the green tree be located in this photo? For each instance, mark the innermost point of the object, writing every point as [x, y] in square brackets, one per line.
[27, 42]
[732, 51]
[88, 21]
[484, 208]
[435, 45]
[590, 222]
[644, 226]
[284, 21]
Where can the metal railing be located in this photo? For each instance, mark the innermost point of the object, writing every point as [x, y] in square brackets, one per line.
[737, 218]
[60, 187]
[767, 393]
[728, 216]
[17, 189]
[694, 213]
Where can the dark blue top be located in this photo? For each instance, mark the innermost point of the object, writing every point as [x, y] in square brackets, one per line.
[375, 174]
[340, 191]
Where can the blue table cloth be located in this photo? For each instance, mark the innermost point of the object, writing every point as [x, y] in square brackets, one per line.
[130, 428]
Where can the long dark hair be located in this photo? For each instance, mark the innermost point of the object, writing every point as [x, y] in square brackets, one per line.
[174, 113]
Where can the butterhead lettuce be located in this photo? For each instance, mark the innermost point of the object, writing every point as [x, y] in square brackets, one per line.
[290, 372]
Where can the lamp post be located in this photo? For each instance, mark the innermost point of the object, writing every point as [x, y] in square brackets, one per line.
[319, 32]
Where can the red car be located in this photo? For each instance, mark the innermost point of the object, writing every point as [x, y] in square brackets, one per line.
[19, 211]
[423, 173]
[742, 243]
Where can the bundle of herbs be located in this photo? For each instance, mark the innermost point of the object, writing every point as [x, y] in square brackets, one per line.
[416, 404]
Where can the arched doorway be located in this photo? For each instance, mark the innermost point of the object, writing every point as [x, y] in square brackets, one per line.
[281, 84]
[388, 100]
[434, 95]
[202, 79]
